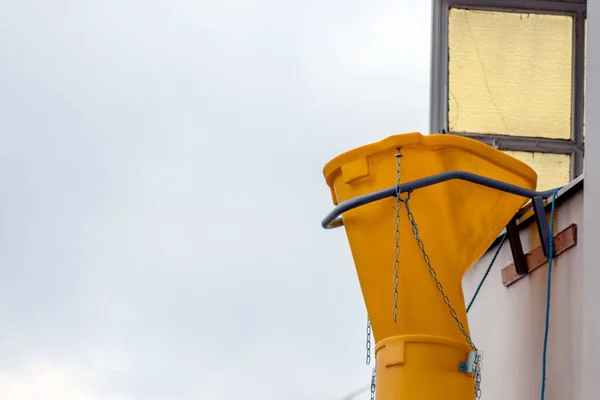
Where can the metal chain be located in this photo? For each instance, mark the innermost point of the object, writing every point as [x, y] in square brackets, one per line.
[438, 285]
[373, 377]
[397, 232]
[477, 374]
[368, 340]
[369, 357]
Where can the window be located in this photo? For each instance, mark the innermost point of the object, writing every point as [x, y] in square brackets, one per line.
[513, 78]
[510, 73]
[553, 169]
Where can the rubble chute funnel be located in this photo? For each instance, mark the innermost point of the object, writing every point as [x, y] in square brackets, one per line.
[417, 357]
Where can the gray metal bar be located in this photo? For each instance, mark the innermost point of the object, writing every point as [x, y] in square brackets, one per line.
[333, 220]
[438, 90]
[537, 6]
[523, 143]
[578, 99]
[542, 224]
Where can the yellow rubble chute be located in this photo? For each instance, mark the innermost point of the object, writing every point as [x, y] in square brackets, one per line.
[418, 355]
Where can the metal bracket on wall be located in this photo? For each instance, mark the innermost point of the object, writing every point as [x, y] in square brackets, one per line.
[563, 241]
[516, 248]
[514, 239]
[542, 224]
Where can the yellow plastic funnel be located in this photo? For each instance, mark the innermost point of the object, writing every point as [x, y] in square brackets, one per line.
[418, 356]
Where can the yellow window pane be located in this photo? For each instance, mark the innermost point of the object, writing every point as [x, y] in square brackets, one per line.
[553, 169]
[510, 73]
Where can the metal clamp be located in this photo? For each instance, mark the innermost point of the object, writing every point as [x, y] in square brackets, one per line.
[334, 220]
[469, 365]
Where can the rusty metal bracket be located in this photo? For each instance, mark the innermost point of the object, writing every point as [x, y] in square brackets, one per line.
[516, 248]
[512, 232]
[514, 239]
[563, 241]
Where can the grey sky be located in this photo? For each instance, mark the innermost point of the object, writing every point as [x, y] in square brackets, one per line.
[162, 192]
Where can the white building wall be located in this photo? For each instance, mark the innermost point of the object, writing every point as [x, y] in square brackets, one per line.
[507, 323]
[589, 340]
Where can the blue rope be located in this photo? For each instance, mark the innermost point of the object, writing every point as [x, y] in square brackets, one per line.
[489, 268]
[550, 258]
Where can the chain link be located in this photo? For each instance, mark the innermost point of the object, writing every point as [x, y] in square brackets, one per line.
[373, 377]
[397, 232]
[368, 340]
[438, 285]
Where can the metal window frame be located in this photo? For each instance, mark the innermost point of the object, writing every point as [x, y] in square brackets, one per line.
[438, 117]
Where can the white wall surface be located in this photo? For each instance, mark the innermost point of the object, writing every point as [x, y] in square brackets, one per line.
[507, 323]
[589, 341]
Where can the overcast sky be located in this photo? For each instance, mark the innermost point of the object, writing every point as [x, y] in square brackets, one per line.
[162, 192]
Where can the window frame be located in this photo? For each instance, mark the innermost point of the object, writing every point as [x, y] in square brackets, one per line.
[438, 117]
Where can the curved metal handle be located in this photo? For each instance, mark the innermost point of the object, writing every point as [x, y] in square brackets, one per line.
[334, 220]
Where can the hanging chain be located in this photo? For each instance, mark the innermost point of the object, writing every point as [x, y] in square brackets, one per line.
[368, 341]
[415, 229]
[438, 285]
[397, 232]
[373, 377]
[369, 357]
[477, 374]
[369, 330]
